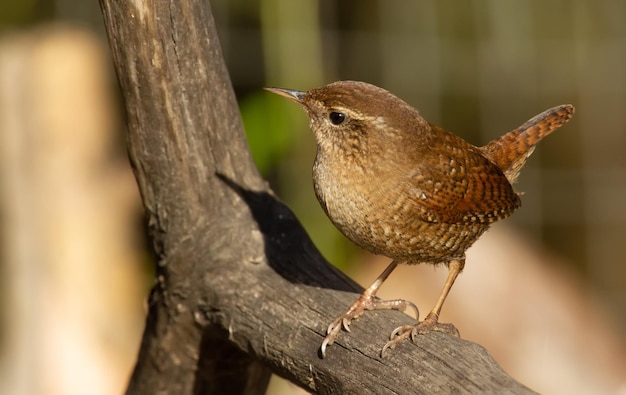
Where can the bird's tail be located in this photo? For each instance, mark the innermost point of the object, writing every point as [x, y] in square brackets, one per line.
[510, 151]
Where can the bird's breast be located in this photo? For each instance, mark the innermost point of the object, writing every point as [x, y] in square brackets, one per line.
[376, 214]
[340, 189]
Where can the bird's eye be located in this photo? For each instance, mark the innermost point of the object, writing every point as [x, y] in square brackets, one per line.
[337, 118]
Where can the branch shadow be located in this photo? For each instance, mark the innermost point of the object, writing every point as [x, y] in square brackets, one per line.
[288, 248]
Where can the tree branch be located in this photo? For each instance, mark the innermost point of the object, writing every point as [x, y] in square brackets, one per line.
[241, 290]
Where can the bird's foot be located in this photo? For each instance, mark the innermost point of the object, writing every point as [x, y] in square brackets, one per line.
[429, 324]
[365, 302]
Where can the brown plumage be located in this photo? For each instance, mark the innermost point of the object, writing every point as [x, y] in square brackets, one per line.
[399, 186]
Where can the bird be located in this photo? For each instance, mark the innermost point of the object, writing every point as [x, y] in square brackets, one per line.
[399, 186]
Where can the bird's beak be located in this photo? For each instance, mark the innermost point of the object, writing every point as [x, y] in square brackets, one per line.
[296, 96]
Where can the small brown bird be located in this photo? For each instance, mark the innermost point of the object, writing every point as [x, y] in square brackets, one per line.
[401, 187]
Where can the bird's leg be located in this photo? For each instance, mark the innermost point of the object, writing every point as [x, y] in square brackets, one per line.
[431, 322]
[365, 302]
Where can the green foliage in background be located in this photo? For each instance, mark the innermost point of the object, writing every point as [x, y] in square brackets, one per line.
[267, 127]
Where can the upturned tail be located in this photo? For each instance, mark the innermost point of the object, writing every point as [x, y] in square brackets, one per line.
[510, 151]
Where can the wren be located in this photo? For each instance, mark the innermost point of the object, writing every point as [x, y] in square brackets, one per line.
[399, 186]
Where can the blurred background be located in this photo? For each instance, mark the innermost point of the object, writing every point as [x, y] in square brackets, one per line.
[544, 291]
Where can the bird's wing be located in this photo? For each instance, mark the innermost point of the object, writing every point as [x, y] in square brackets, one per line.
[456, 184]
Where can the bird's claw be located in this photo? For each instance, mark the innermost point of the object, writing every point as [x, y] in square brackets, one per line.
[342, 322]
[431, 323]
[327, 342]
[345, 323]
[403, 332]
[365, 302]
[398, 336]
[333, 331]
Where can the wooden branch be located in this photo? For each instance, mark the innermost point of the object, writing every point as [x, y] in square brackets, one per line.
[241, 290]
